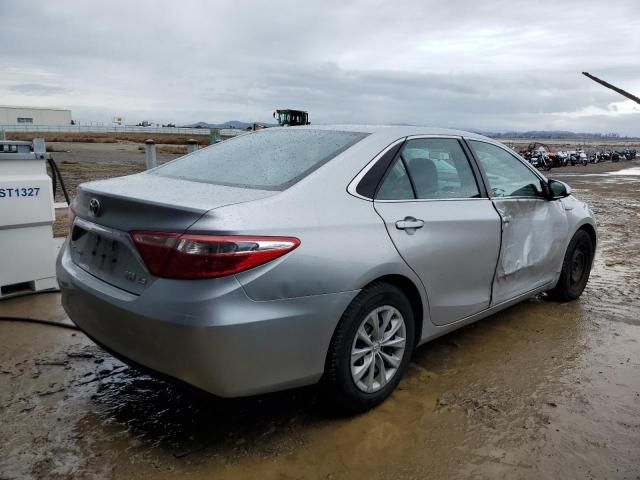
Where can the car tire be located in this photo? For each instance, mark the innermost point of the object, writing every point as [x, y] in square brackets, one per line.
[576, 268]
[375, 303]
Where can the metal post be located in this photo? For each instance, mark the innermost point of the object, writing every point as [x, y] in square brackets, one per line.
[2, 135]
[213, 136]
[39, 148]
[192, 145]
[150, 151]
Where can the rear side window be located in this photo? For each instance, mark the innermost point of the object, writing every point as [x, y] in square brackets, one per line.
[396, 185]
[269, 160]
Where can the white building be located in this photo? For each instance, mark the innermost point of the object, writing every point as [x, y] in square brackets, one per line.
[10, 115]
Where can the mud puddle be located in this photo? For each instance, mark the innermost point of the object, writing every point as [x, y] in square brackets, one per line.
[542, 390]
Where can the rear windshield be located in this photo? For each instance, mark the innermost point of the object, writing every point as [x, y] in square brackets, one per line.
[269, 160]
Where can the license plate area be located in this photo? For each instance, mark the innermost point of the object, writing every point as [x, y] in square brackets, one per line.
[109, 256]
[95, 250]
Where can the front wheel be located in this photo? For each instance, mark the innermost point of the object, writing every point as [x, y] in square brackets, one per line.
[370, 349]
[576, 268]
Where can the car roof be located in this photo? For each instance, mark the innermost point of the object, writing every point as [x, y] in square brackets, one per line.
[399, 130]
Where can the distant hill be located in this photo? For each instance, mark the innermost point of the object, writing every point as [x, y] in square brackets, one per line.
[230, 124]
[552, 134]
[536, 134]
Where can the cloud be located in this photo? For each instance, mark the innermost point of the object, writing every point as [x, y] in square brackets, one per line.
[614, 109]
[500, 65]
[36, 89]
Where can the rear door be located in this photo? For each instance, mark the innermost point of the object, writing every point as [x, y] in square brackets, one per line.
[442, 225]
[534, 229]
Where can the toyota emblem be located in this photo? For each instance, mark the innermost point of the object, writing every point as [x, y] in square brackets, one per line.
[94, 207]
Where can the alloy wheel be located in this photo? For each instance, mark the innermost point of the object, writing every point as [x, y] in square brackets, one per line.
[378, 348]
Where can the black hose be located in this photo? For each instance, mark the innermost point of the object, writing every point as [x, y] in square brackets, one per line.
[38, 321]
[62, 185]
[54, 179]
[55, 171]
[28, 294]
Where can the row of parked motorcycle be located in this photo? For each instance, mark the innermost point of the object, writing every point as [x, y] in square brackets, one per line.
[546, 160]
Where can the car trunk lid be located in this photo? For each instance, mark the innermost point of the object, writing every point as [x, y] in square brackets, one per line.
[108, 210]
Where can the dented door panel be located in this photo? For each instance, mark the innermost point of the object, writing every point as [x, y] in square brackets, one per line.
[534, 233]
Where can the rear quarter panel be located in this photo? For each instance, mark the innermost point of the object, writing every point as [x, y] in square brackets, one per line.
[344, 244]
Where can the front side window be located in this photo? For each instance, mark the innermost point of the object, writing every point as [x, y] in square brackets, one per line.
[507, 176]
[268, 160]
[435, 168]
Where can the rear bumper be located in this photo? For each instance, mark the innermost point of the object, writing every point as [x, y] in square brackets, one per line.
[207, 333]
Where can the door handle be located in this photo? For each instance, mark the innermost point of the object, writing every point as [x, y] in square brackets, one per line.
[409, 223]
[506, 219]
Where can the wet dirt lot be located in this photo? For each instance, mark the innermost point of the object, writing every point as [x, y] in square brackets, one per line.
[541, 390]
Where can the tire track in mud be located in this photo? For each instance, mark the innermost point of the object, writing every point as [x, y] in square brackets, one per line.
[574, 413]
[614, 286]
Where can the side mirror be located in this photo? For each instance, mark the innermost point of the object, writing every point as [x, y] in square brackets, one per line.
[558, 189]
[274, 114]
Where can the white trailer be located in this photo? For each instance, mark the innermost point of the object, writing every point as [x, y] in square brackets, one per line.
[27, 246]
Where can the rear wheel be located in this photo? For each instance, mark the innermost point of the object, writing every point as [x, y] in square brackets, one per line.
[575, 268]
[370, 349]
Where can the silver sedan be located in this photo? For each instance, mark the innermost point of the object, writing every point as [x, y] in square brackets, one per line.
[292, 256]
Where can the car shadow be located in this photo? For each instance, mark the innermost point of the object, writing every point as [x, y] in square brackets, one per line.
[184, 419]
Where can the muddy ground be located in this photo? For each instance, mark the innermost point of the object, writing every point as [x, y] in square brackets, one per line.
[541, 390]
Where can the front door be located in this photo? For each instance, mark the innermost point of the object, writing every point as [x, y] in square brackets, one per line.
[534, 229]
[442, 227]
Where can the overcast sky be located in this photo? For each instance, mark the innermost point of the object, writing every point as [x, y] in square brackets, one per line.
[492, 65]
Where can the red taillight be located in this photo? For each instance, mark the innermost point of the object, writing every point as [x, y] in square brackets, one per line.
[155, 249]
[171, 255]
